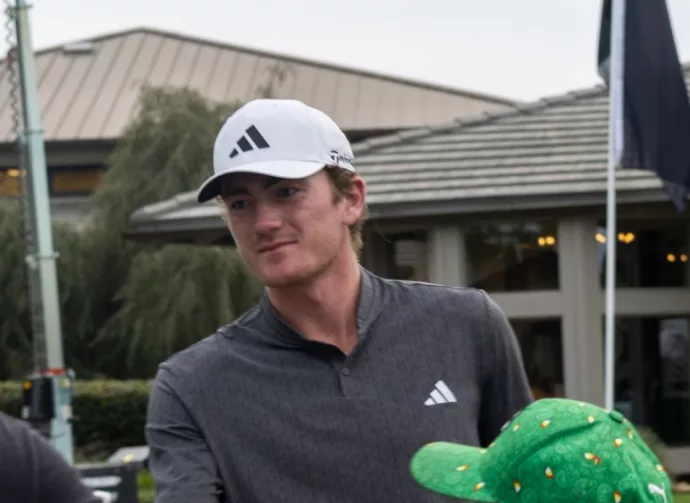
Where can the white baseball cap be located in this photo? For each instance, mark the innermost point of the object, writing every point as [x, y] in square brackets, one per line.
[283, 138]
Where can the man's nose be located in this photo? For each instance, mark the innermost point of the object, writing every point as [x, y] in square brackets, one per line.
[268, 217]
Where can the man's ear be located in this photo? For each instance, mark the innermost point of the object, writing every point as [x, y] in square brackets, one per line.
[354, 199]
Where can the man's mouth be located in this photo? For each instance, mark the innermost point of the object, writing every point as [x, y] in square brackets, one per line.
[274, 246]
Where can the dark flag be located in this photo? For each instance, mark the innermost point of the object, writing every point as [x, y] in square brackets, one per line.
[656, 109]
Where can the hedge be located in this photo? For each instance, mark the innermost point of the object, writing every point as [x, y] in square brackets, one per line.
[109, 414]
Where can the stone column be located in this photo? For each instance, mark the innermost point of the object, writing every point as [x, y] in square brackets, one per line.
[582, 321]
[447, 258]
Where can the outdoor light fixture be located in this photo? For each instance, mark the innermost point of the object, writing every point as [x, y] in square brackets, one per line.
[626, 237]
[623, 237]
[546, 241]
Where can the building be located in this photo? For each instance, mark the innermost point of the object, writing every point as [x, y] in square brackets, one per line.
[89, 90]
[514, 203]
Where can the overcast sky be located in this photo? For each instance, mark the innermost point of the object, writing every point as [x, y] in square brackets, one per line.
[519, 49]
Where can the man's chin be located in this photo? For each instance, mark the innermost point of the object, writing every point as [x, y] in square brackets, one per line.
[285, 278]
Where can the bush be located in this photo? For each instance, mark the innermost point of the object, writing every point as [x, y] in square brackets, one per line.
[110, 414]
[146, 487]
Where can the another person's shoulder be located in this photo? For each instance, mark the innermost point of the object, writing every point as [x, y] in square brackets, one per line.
[10, 425]
[32, 470]
[17, 438]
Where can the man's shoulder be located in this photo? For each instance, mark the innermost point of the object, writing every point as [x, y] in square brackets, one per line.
[427, 292]
[203, 353]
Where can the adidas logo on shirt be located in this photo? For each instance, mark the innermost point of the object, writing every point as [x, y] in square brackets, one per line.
[440, 394]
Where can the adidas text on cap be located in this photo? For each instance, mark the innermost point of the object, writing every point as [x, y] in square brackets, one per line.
[282, 138]
[555, 450]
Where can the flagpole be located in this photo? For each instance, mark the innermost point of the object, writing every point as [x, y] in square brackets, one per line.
[616, 92]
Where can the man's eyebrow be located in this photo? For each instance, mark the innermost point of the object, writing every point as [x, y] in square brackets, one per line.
[271, 180]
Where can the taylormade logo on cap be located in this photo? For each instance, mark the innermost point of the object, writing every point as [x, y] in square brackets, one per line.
[283, 138]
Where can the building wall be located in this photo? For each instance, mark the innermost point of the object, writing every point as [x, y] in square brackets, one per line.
[548, 276]
[74, 172]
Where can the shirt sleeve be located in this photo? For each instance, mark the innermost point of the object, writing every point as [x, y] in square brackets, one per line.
[33, 470]
[505, 389]
[180, 460]
[58, 481]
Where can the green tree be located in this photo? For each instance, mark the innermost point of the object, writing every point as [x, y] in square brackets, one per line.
[151, 301]
[125, 306]
[16, 358]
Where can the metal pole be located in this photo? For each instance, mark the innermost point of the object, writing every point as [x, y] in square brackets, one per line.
[616, 93]
[44, 258]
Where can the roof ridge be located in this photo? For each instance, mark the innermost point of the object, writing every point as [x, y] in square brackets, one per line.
[483, 117]
[287, 57]
[160, 206]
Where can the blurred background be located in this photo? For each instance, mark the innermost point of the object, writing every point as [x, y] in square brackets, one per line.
[488, 170]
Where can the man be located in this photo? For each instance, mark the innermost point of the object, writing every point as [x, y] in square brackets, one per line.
[556, 451]
[32, 471]
[324, 390]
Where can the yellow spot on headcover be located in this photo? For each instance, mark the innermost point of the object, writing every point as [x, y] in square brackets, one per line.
[618, 442]
[479, 486]
[545, 423]
[592, 457]
[462, 468]
[617, 496]
[548, 472]
[517, 486]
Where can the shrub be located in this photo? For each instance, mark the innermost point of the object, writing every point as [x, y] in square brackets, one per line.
[109, 414]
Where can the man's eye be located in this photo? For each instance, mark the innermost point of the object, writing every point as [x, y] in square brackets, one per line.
[286, 191]
[238, 205]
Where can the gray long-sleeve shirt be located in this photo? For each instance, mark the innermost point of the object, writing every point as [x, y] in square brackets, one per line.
[257, 413]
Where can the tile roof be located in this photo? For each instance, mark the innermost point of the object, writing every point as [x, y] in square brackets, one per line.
[548, 154]
[89, 89]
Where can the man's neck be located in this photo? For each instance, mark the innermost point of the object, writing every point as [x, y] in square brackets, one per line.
[326, 309]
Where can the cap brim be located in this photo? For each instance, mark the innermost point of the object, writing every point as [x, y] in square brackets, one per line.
[291, 170]
[452, 470]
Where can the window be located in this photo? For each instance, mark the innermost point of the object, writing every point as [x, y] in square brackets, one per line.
[648, 254]
[10, 184]
[513, 256]
[75, 180]
[407, 256]
[541, 343]
[652, 375]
